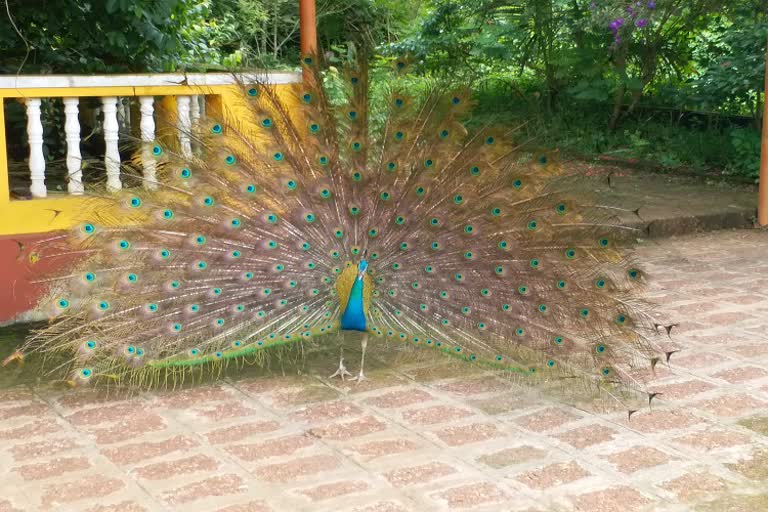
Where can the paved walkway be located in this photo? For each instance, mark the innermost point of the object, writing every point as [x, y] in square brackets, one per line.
[420, 438]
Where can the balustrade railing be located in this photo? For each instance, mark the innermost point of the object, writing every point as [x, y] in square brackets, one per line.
[118, 95]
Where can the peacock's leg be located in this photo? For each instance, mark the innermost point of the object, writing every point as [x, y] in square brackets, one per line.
[363, 345]
[342, 370]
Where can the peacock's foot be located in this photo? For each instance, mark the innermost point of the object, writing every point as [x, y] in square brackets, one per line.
[360, 377]
[16, 356]
[342, 371]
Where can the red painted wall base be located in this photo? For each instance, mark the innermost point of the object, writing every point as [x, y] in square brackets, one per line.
[18, 293]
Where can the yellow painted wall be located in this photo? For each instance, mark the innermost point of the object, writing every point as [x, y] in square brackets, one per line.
[61, 211]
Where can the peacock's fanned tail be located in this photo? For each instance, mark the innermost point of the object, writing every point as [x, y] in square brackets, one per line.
[473, 248]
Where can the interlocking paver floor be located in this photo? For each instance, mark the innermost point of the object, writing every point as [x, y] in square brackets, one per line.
[425, 437]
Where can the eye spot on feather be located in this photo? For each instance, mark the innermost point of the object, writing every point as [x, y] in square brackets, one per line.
[252, 92]
[606, 371]
[357, 176]
[490, 140]
[355, 250]
[165, 254]
[466, 310]
[314, 128]
[308, 61]
[444, 294]
[434, 221]
[534, 263]
[517, 184]
[459, 277]
[356, 146]
[600, 283]
[620, 319]
[325, 193]
[519, 331]
[216, 129]
[323, 160]
[89, 277]
[506, 307]
[385, 196]
[570, 253]
[202, 265]
[230, 160]
[444, 134]
[522, 290]
[277, 157]
[603, 242]
[88, 229]
[271, 244]
[469, 229]
[503, 245]
[558, 340]
[62, 303]
[584, 313]
[306, 97]
[561, 284]
[532, 225]
[469, 255]
[373, 232]
[352, 115]
[157, 150]
[235, 223]
[185, 173]
[124, 245]
[266, 122]
[474, 171]
[152, 307]
[428, 163]
[435, 246]
[420, 191]
[399, 136]
[561, 209]
[209, 201]
[543, 308]
[309, 217]
[399, 102]
[485, 292]
[633, 273]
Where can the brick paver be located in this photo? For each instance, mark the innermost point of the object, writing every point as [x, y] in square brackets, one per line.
[429, 436]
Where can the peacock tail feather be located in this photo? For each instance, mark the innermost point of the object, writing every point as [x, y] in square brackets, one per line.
[254, 243]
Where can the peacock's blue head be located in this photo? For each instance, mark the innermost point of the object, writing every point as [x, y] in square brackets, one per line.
[362, 267]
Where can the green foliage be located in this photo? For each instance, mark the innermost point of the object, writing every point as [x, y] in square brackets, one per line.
[101, 36]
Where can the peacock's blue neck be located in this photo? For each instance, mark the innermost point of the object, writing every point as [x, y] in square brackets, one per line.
[353, 318]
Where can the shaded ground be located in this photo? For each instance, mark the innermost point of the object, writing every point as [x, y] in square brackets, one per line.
[422, 436]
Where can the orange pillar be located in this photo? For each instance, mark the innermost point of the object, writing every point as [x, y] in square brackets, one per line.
[762, 196]
[307, 28]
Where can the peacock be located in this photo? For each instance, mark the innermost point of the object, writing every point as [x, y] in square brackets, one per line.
[317, 211]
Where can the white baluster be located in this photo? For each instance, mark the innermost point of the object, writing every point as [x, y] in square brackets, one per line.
[74, 159]
[147, 126]
[202, 106]
[36, 158]
[111, 137]
[184, 125]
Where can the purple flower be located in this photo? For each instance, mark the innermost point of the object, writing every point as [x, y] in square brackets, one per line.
[617, 40]
[651, 5]
[642, 22]
[630, 10]
[593, 6]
